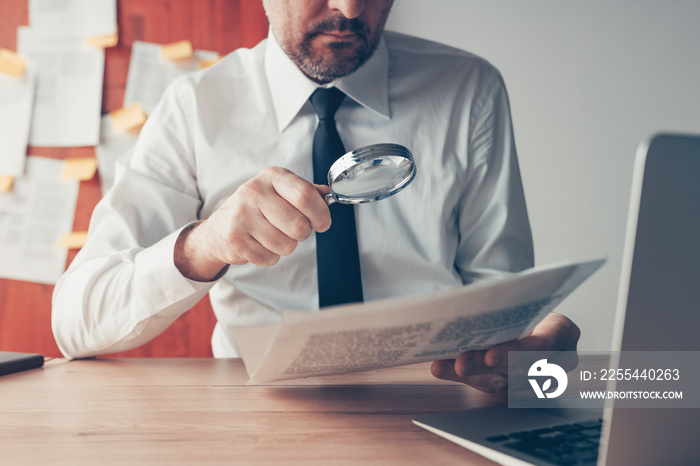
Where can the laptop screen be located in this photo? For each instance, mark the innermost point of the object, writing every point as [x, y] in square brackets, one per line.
[658, 295]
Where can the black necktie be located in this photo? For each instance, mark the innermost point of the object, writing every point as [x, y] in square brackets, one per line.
[337, 257]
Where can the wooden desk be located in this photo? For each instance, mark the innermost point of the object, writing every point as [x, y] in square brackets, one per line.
[199, 411]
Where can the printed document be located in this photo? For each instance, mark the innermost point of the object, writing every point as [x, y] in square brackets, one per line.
[68, 100]
[112, 146]
[149, 76]
[408, 330]
[73, 18]
[33, 216]
[17, 97]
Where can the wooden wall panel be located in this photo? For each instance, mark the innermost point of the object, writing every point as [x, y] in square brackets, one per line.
[220, 25]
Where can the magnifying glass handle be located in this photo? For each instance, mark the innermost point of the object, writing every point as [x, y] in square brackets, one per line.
[329, 199]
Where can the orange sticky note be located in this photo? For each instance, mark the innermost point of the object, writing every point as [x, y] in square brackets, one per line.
[207, 63]
[11, 63]
[79, 169]
[127, 118]
[6, 183]
[176, 51]
[102, 42]
[75, 240]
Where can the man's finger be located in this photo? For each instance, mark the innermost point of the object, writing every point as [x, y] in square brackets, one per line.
[470, 363]
[444, 369]
[285, 218]
[554, 333]
[322, 189]
[275, 240]
[303, 196]
[490, 383]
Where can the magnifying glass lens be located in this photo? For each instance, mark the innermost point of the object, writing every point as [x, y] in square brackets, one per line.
[370, 173]
[373, 177]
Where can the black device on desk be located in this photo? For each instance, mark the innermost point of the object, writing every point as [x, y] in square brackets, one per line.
[658, 310]
[16, 362]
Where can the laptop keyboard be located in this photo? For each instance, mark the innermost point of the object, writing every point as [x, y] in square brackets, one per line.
[565, 445]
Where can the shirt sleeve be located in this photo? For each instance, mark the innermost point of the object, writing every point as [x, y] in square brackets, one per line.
[123, 288]
[495, 234]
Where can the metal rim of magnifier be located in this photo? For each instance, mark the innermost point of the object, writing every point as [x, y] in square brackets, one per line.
[344, 165]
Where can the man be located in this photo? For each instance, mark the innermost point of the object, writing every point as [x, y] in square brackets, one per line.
[217, 194]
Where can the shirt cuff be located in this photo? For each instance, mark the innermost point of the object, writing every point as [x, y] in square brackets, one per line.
[165, 285]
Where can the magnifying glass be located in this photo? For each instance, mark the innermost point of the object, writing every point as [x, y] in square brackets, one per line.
[370, 173]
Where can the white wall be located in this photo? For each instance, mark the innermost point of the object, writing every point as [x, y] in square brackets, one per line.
[588, 81]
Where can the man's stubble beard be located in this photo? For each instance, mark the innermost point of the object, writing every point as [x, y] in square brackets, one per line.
[324, 69]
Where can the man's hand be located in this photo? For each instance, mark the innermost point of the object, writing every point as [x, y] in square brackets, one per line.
[263, 220]
[488, 370]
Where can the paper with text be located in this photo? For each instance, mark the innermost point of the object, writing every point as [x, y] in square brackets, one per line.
[112, 146]
[407, 330]
[149, 75]
[68, 100]
[33, 216]
[78, 18]
[17, 97]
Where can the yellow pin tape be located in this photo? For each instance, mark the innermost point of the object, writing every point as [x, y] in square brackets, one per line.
[210, 62]
[75, 240]
[12, 64]
[127, 118]
[79, 169]
[6, 183]
[176, 51]
[103, 42]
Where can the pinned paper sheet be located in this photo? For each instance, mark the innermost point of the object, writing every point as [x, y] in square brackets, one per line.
[39, 209]
[78, 18]
[127, 118]
[11, 63]
[67, 107]
[203, 64]
[79, 169]
[149, 76]
[112, 146]
[176, 51]
[16, 103]
[6, 184]
[102, 42]
[75, 240]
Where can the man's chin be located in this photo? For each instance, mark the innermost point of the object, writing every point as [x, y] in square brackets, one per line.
[336, 58]
[326, 60]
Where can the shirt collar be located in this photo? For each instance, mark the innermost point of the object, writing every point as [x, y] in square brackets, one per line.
[291, 89]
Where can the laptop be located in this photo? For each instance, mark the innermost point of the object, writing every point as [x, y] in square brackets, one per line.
[658, 310]
[16, 362]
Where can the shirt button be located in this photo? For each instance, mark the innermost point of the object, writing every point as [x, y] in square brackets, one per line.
[169, 295]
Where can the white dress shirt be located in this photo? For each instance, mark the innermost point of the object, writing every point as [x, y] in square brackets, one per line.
[463, 216]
